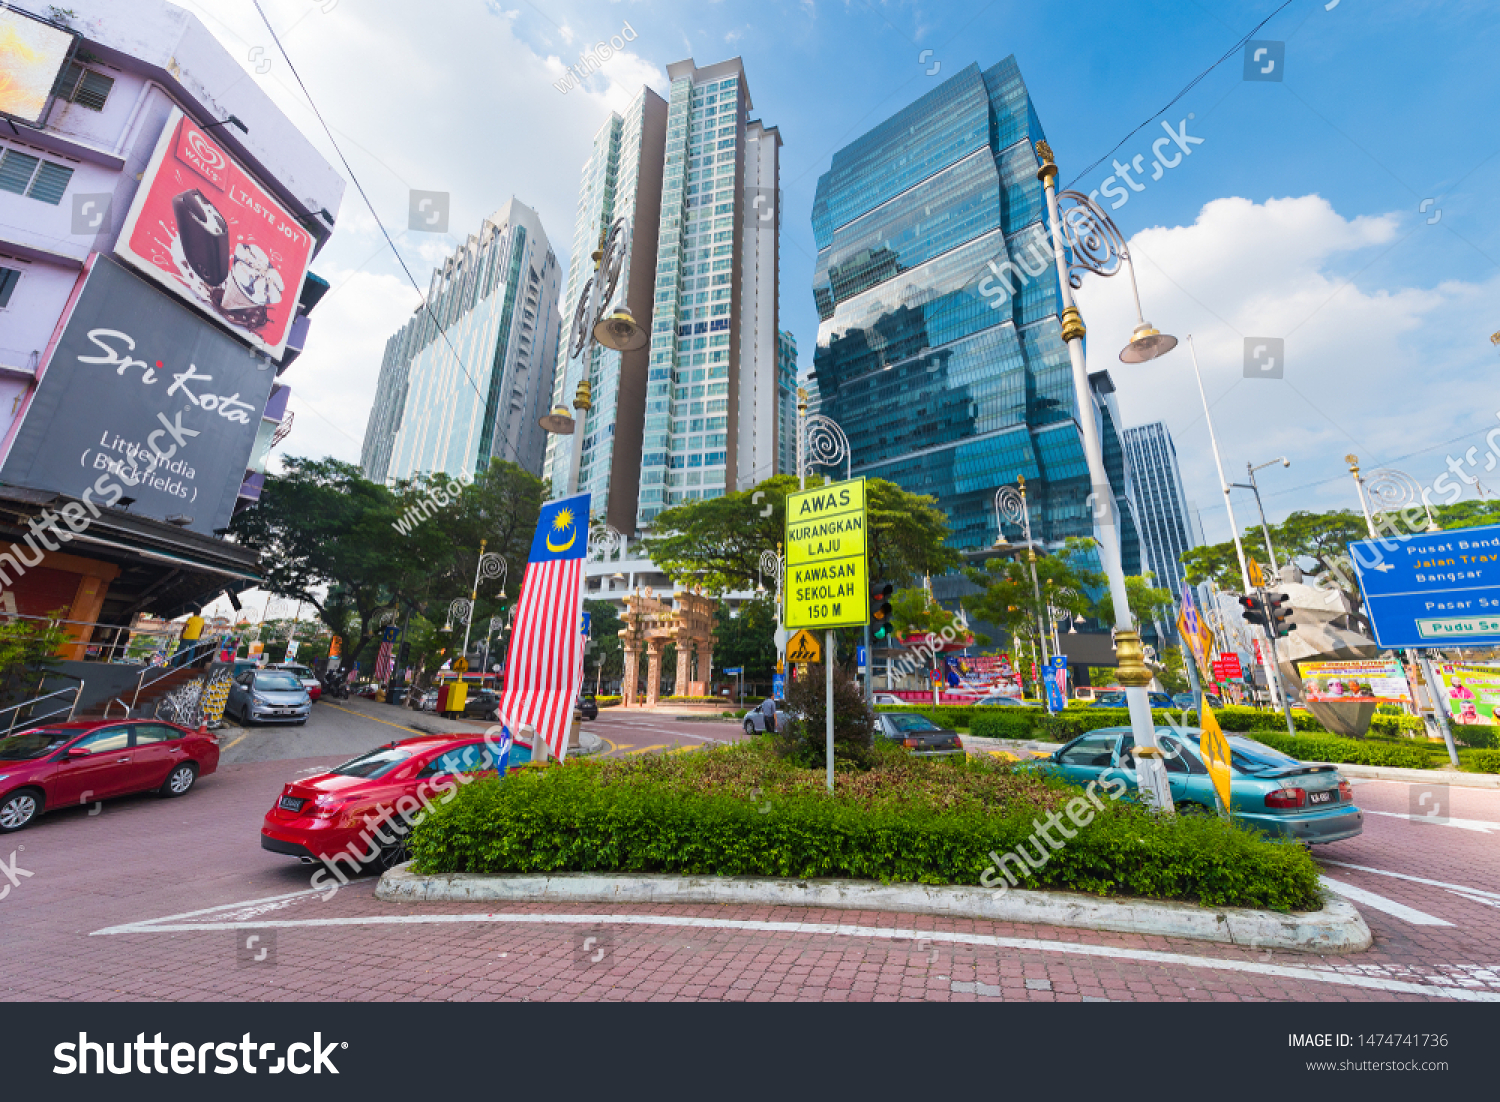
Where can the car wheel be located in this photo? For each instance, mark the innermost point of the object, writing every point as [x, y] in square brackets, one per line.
[749, 727]
[179, 781]
[396, 854]
[18, 809]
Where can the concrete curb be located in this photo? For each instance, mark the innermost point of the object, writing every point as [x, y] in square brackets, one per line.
[1335, 930]
[1419, 776]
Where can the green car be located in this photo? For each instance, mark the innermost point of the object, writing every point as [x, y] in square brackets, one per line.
[1278, 794]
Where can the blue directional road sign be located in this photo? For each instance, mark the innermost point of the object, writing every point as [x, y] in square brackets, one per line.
[860, 656]
[729, 670]
[1438, 589]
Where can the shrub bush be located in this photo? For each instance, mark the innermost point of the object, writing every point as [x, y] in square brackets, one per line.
[1479, 761]
[1483, 738]
[1016, 723]
[853, 721]
[739, 811]
[1344, 750]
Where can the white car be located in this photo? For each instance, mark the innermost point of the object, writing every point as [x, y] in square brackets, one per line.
[309, 679]
[886, 698]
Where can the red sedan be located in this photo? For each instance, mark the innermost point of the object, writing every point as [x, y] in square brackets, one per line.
[71, 764]
[361, 813]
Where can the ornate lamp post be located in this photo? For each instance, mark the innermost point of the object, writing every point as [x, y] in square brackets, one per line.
[1098, 246]
[820, 441]
[1010, 504]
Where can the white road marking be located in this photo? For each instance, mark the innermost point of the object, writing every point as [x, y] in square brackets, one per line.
[1381, 903]
[1463, 889]
[1478, 899]
[1483, 826]
[1108, 952]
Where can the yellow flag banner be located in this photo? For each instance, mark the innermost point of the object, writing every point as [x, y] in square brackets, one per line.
[1215, 750]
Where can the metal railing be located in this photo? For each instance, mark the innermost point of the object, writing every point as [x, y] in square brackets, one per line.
[121, 703]
[120, 637]
[77, 692]
[182, 660]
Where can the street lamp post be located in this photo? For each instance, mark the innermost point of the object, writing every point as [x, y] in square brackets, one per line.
[1010, 504]
[1268, 665]
[1098, 246]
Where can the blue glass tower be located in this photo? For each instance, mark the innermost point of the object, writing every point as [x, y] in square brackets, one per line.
[940, 348]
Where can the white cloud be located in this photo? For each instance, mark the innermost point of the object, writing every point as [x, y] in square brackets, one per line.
[1379, 371]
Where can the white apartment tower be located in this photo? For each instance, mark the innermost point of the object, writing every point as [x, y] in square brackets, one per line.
[707, 239]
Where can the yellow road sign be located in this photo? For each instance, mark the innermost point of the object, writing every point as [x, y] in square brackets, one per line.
[1257, 577]
[827, 571]
[1215, 749]
[804, 647]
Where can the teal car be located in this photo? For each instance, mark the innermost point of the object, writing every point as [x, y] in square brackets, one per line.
[1278, 794]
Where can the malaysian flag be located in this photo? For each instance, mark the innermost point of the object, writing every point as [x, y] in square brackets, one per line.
[385, 660]
[544, 669]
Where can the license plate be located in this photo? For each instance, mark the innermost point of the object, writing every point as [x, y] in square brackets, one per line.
[290, 803]
[1329, 797]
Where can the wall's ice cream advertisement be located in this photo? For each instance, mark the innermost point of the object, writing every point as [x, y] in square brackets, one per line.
[31, 55]
[203, 228]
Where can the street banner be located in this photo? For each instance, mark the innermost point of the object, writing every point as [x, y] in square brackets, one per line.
[1377, 681]
[1056, 680]
[778, 687]
[544, 667]
[989, 673]
[1231, 664]
[1195, 632]
[1472, 692]
[828, 576]
[207, 231]
[1215, 750]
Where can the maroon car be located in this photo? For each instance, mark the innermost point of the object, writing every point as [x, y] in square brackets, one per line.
[71, 764]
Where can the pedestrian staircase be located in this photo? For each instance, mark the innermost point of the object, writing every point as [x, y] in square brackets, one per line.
[145, 702]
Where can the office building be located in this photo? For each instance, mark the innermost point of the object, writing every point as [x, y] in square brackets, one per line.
[467, 378]
[710, 414]
[786, 403]
[939, 347]
[1169, 527]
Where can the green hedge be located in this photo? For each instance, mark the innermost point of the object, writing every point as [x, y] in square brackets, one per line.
[1345, 750]
[659, 817]
[1012, 723]
[1483, 738]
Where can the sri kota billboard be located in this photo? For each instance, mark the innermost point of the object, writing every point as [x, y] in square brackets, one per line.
[143, 395]
[32, 53]
[207, 231]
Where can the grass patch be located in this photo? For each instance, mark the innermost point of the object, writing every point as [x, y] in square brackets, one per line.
[744, 811]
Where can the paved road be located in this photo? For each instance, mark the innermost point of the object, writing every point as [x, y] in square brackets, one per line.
[154, 899]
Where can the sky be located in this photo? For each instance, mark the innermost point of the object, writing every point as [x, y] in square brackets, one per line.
[1338, 210]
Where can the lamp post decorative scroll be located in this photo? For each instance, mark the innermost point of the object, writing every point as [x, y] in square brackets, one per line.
[1010, 504]
[821, 443]
[1390, 490]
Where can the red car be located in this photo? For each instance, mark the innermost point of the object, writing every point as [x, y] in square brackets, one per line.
[361, 812]
[71, 764]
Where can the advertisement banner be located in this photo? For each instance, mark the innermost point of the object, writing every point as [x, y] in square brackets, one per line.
[987, 673]
[1195, 632]
[1472, 692]
[204, 229]
[1379, 681]
[142, 399]
[32, 53]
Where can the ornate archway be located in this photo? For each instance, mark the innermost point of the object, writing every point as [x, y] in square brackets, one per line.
[650, 624]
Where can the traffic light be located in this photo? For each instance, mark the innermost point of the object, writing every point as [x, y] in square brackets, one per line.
[881, 613]
[1280, 613]
[1255, 610]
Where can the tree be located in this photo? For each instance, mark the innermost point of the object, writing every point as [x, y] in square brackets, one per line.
[914, 612]
[747, 637]
[1147, 603]
[853, 722]
[717, 542]
[1009, 599]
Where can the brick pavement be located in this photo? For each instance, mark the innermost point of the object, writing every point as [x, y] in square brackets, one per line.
[144, 859]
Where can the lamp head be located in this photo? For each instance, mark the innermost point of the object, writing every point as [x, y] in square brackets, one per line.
[559, 422]
[1147, 343]
[620, 332]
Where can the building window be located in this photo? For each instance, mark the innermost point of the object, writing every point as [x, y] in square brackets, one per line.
[9, 277]
[33, 177]
[83, 87]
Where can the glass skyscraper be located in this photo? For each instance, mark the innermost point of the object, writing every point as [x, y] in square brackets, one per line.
[1169, 527]
[786, 403]
[940, 350]
[493, 303]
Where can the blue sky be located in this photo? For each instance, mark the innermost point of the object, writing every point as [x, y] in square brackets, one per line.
[1299, 216]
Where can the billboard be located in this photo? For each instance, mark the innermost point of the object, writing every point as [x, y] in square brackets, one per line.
[32, 53]
[1378, 681]
[1472, 692]
[204, 229]
[143, 394]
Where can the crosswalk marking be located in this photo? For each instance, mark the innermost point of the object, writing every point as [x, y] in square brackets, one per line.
[1381, 903]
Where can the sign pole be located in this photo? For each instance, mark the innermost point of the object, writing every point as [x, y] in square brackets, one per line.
[828, 666]
[1434, 690]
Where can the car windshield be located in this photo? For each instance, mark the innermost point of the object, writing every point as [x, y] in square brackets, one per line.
[1116, 700]
[377, 763]
[296, 671]
[1249, 756]
[277, 682]
[33, 744]
[912, 723]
